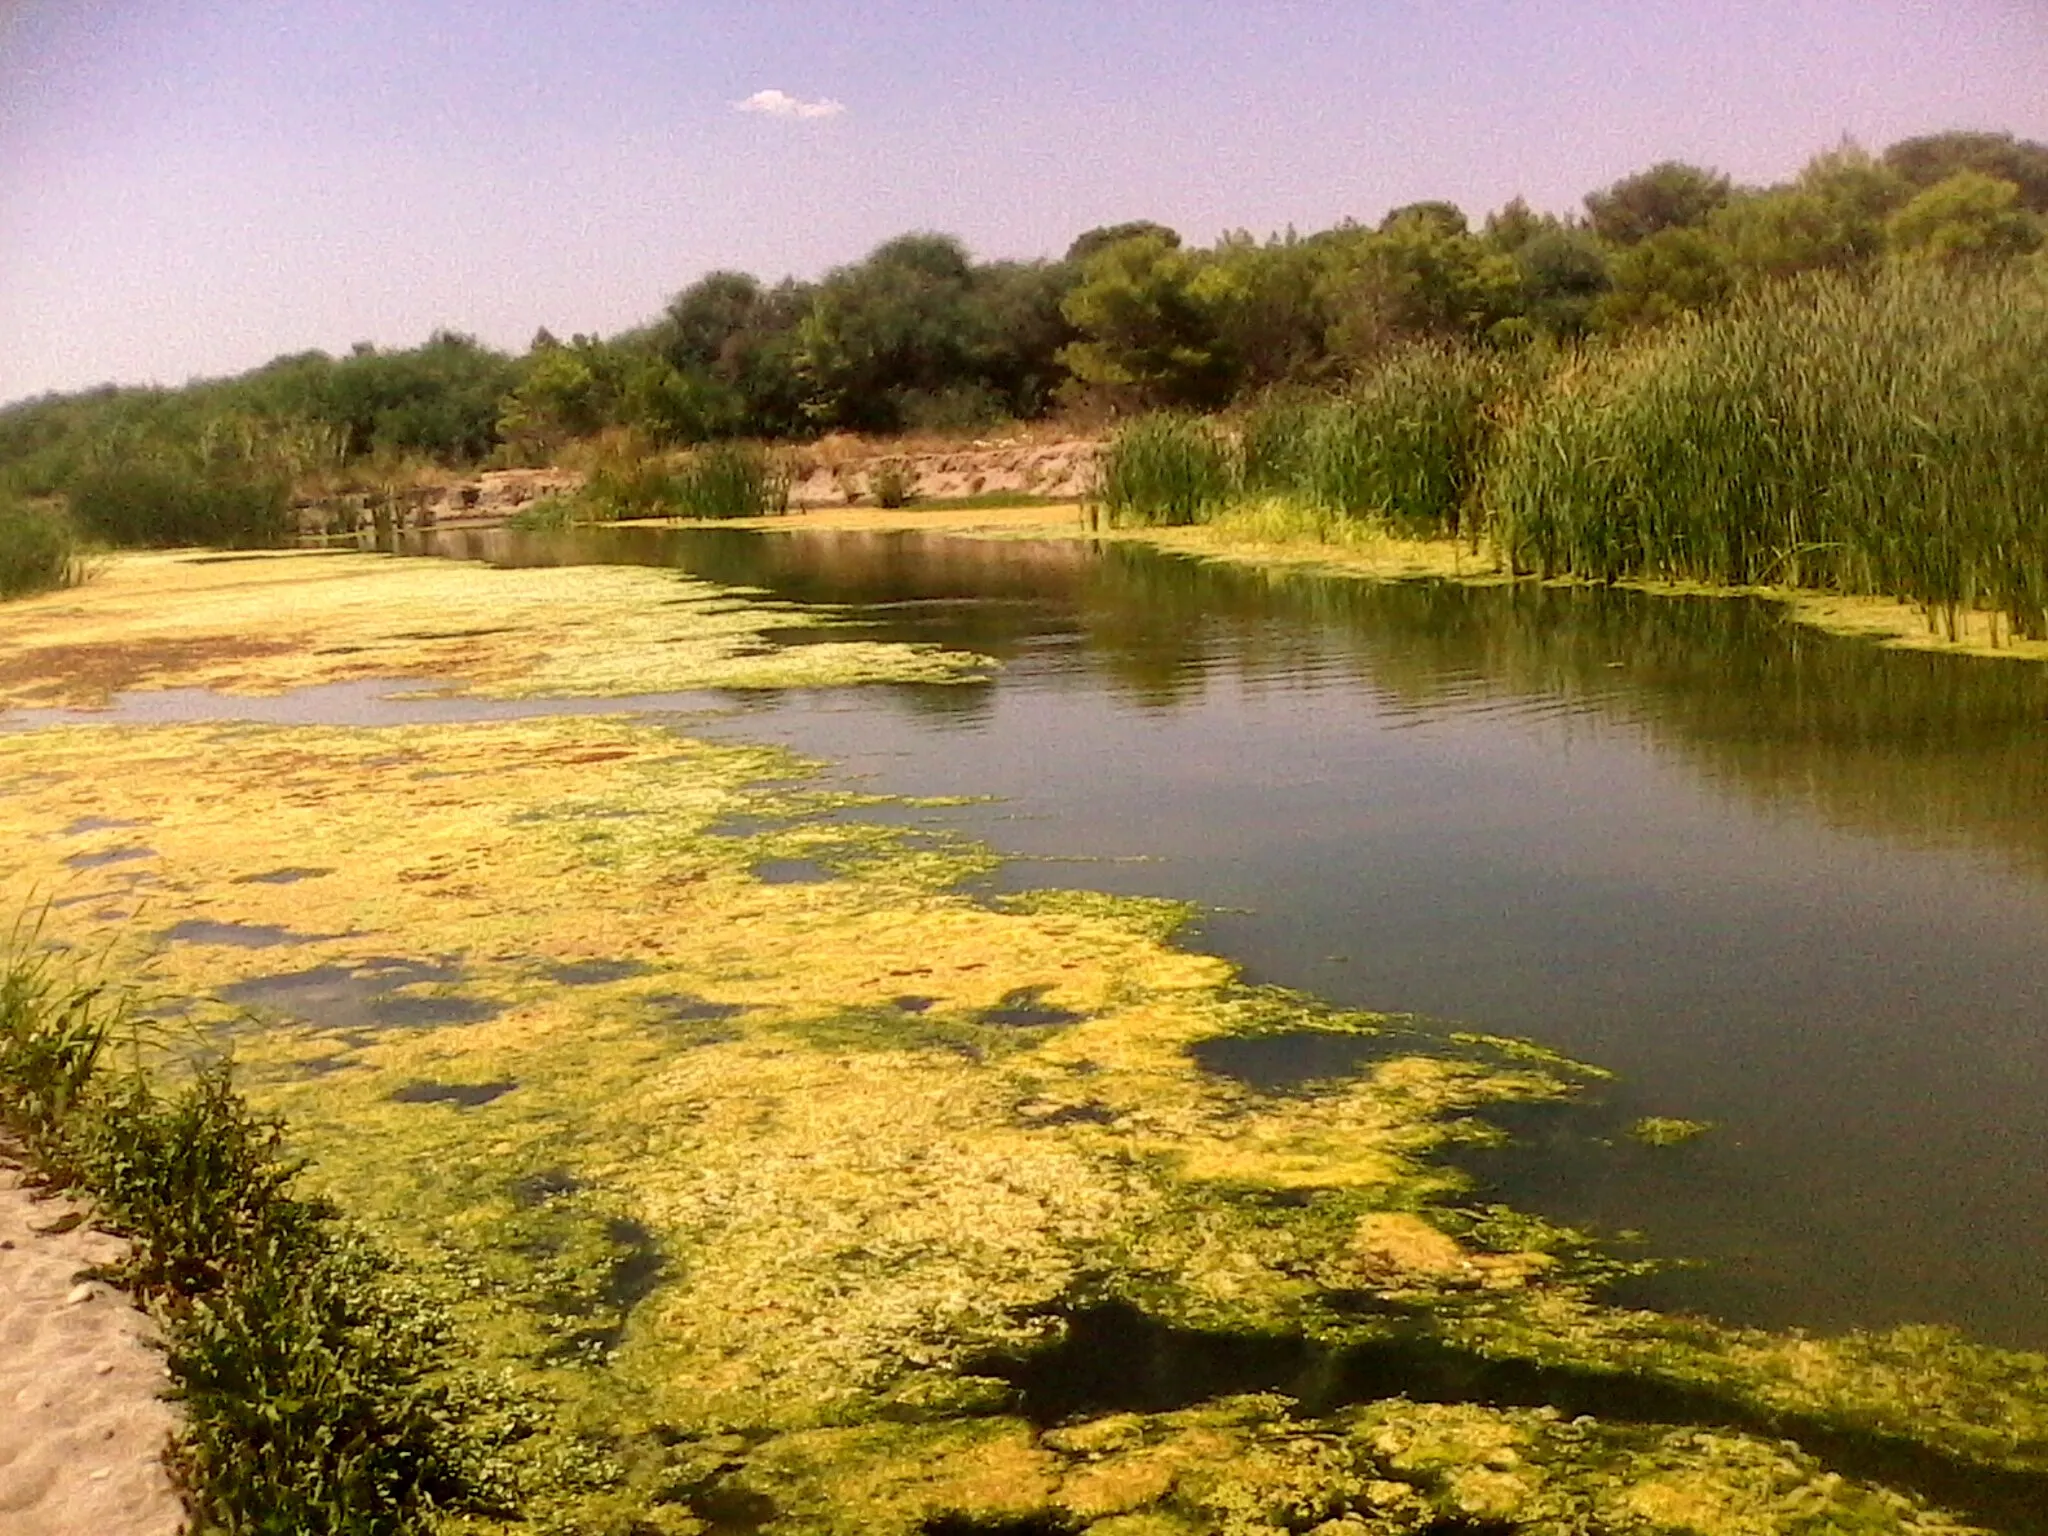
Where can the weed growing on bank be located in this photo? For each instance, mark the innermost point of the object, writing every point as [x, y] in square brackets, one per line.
[314, 1375]
[718, 480]
[722, 480]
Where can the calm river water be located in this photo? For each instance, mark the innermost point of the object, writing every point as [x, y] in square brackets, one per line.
[1793, 885]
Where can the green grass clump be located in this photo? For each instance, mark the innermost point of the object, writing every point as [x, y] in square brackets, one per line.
[894, 483]
[1882, 437]
[38, 551]
[549, 514]
[1406, 443]
[722, 480]
[1272, 441]
[1166, 471]
[1402, 447]
[629, 479]
[314, 1376]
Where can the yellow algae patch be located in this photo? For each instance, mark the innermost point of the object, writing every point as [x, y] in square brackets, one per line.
[264, 624]
[686, 1148]
[1287, 537]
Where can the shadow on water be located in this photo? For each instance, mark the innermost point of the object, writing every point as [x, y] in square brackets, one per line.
[291, 874]
[237, 935]
[791, 872]
[1114, 1359]
[594, 973]
[108, 856]
[593, 1324]
[1288, 1061]
[461, 1095]
[364, 997]
[85, 824]
[1023, 1008]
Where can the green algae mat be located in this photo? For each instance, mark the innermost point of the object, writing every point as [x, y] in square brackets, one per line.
[791, 1187]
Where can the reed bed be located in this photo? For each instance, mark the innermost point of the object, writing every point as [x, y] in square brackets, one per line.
[1401, 449]
[1167, 471]
[728, 479]
[1888, 437]
[1404, 446]
[162, 500]
[38, 550]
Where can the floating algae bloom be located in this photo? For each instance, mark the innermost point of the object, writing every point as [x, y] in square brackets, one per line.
[861, 1205]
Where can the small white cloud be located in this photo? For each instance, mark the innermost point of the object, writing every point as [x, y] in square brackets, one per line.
[782, 104]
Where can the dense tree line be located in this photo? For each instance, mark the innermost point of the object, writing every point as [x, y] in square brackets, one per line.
[921, 336]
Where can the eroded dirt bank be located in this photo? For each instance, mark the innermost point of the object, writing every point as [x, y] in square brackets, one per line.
[807, 1191]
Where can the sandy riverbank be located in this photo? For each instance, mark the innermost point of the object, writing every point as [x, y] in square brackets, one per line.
[82, 1418]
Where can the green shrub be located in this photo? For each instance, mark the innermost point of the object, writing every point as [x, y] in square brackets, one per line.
[38, 551]
[730, 479]
[1881, 437]
[1166, 470]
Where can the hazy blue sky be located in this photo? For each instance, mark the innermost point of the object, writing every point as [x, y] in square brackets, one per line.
[193, 188]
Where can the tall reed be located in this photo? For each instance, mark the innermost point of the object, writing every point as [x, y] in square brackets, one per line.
[230, 487]
[1881, 437]
[38, 550]
[1166, 471]
[728, 479]
[1405, 443]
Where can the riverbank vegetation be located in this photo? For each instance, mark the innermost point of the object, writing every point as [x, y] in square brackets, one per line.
[316, 1389]
[921, 337]
[1860, 436]
[807, 1189]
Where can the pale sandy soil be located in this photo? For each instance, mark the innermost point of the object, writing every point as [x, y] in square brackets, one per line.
[82, 1420]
